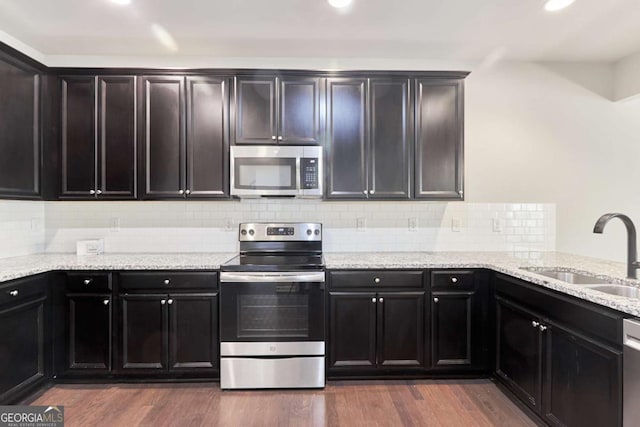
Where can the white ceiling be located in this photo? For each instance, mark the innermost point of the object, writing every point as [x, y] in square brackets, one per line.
[589, 30]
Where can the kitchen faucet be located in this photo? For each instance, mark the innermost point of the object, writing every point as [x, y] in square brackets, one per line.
[632, 252]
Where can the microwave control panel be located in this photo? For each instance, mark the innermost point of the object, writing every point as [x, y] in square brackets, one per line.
[309, 173]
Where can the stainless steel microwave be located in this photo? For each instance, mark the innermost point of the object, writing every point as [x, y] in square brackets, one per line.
[285, 170]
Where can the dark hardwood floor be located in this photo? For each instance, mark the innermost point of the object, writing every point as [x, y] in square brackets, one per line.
[342, 403]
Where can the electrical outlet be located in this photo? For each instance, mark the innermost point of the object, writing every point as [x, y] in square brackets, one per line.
[455, 225]
[35, 224]
[229, 224]
[114, 224]
[413, 224]
[496, 225]
[361, 224]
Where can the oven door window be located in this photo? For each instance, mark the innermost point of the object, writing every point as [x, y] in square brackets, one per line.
[272, 312]
[265, 173]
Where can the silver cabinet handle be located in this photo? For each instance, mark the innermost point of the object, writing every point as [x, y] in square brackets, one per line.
[543, 328]
[181, 191]
[372, 191]
[170, 302]
[535, 324]
[163, 301]
[105, 302]
[381, 299]
[14, 293]
[167, 281]
[98, 192]
[365, 192]
[376, 280]
[273, 137]
[436, 300]
[88, 281]
[280, 138]
[188, 192]
[454, 280]
[92, 192]
[373, 300]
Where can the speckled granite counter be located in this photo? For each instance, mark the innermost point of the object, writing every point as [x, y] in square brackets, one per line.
[508, 263]
[14, 268]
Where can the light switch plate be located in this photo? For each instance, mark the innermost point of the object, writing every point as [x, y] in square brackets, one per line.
[413, 224]
[361, 224]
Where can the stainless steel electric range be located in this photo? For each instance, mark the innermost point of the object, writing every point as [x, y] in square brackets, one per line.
[272, 299]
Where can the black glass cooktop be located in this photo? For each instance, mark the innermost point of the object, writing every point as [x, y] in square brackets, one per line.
[287, 262]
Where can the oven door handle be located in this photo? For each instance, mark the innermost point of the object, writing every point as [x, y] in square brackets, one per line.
[282, 277]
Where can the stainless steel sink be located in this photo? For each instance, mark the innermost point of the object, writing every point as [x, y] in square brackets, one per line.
[567, 276]
[620, 290]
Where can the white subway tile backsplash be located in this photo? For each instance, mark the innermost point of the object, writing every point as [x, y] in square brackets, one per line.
[22, 227]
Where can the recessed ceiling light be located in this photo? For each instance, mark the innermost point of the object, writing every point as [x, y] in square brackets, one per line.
[339, 4]
[121, 2]
[554, 5]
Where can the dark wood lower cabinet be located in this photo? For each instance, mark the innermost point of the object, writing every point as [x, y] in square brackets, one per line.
[375, 332]
[453, 335]
[582, 380]
[22, 347]
[165, 334]
[89, 334]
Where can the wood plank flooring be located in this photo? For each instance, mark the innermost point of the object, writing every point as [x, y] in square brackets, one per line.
[343, 403]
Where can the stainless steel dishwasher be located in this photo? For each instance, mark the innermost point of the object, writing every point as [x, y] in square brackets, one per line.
[631, 377]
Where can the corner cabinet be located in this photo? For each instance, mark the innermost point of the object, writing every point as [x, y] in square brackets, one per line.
[283, 109]
[368, 138]
[560, 356]
[20, 128]
[99, 145]
[439, 139]
[185, 136]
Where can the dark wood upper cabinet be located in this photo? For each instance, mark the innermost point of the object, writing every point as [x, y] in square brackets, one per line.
[98, 137]
[439, 135]
[346, 138]
[278, 110]
[390, 139]
[299, 110]
[207, 137]
[186, 136]
[163, 136]
[19, 129]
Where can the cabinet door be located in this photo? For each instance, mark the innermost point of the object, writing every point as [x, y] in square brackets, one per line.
[207, 136]
[117, 137]
[78, 137]
[352, 330]
[163, 131]
[400, 329]
[19, 130]
[518, 352]
[453, 337]
[89, 333]
[439, 139]
[144, 332]
[299, 110]
[582, 381]
[193, 333]
[255, 110]
[390, 141]
[22, 347]
[346, 138]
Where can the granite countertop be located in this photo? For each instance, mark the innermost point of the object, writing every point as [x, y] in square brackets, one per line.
[503, 262]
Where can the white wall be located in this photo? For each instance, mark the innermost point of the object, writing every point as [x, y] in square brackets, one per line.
[21, 227]
[533, 135]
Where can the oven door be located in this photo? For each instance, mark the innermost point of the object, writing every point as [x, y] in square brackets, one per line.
[272, 307]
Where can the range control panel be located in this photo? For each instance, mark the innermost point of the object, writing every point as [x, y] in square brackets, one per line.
[270, 232]
[280, 231]
[309, 173]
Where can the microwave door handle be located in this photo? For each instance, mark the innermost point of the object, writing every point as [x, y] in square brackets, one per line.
[298, 186]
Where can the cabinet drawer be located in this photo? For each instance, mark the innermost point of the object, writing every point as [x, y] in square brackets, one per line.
[91, 282]
[20, 289]
[452, 279]
[376, 279]
[168, 280]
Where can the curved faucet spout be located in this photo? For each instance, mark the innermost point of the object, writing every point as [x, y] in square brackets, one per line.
[632, 252]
